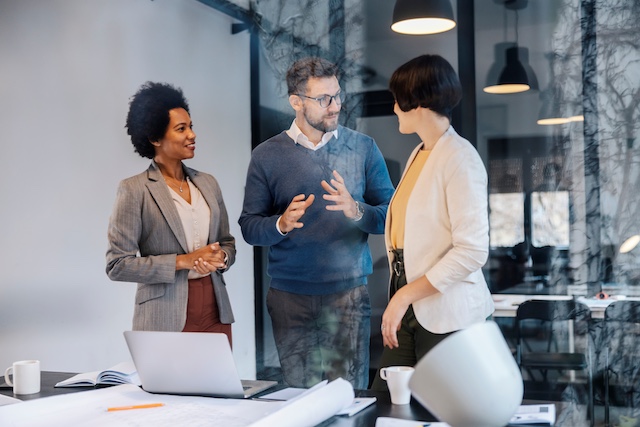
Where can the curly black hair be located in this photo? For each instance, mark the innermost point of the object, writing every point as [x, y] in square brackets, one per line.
[428, 81]
[148, 115]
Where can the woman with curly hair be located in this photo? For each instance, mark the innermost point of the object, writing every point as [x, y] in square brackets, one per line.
[169, 229]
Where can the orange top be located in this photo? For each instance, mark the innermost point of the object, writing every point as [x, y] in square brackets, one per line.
[398, 207]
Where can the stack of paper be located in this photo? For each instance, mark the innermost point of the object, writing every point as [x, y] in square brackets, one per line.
[534, 414]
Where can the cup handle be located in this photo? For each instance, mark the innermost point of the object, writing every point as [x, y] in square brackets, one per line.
[6, 375]
[383, 373]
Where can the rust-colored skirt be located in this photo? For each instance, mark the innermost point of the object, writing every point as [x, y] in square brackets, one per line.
[202, 309]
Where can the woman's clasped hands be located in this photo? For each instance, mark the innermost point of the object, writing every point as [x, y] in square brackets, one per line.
[208, 258]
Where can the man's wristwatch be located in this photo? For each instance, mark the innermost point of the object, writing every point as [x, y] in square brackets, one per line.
[359, 212]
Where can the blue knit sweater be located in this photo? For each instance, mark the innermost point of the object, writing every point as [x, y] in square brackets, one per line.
[330, 253]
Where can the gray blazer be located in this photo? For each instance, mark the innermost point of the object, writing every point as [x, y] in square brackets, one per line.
[145, 236]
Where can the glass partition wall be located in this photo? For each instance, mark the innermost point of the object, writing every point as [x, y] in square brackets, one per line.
[564, 178]
[561, 156]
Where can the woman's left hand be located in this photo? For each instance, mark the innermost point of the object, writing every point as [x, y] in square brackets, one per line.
[392, 319]
[398, 306]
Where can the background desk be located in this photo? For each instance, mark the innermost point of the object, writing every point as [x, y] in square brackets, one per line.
[506, 305]
[366, 418]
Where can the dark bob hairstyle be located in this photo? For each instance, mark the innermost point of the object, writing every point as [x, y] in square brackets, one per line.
[148, 115]
[428, 81]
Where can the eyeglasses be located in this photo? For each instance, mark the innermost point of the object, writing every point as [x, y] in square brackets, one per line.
[325, 100]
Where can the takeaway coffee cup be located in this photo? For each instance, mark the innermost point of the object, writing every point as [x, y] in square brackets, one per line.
[26, 376]
[397, 378]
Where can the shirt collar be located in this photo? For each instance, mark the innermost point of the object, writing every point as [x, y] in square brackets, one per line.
[298, 137]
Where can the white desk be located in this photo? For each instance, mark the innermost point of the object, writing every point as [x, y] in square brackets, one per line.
[507, 304]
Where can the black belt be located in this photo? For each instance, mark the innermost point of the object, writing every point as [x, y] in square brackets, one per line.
[398, 262]
[398, 278]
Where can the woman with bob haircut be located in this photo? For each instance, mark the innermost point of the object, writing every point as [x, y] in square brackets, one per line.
[437, 227]
[169, 229]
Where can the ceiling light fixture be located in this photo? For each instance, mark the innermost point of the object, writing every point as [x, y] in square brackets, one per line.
[630, 244]
[419, 17]
[517, 75]
[555, 110]
[552, 101]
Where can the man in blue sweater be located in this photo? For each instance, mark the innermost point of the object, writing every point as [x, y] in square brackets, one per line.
[313, 195]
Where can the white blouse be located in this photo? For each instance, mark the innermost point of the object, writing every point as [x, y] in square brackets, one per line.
[195, 219]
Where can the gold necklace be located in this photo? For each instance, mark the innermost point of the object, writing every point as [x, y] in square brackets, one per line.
[181, 182]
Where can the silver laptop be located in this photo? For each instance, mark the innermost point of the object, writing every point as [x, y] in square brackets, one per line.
[190, 363]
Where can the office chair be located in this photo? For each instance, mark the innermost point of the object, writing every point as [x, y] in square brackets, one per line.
[621, 348]
[548, 313]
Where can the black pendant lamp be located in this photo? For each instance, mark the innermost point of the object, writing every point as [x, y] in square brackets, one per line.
[422, 17]
[517, 75]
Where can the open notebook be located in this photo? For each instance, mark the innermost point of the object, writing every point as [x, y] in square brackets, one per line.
[190, 363]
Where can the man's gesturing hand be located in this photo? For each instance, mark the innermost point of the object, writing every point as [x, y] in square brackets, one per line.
[298, 206]
[339, 194]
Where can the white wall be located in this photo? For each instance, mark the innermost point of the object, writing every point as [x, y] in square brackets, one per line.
[67, 71]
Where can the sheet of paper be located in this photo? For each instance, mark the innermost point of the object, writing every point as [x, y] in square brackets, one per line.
[396, 422]
[284, 394]
[6, 400]
[358, 404]
[311, 408]
[90, 408]
[292, 393]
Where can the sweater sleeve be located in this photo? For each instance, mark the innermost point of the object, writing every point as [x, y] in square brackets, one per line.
[257, 223]
[377, 194]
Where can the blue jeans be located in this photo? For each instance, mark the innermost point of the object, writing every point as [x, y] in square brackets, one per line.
[322, 336]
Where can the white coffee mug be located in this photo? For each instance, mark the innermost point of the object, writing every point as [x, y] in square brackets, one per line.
[397, 378]
[26, 376]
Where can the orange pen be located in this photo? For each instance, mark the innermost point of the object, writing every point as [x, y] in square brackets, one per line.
[144, 406]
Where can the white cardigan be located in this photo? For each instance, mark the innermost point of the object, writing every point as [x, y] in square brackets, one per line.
[447, 235]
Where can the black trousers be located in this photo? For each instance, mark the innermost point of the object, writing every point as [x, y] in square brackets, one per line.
[414, 340]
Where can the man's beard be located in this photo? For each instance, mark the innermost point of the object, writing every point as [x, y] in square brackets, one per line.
[320, 124]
